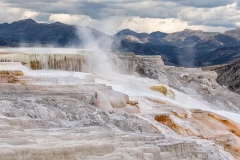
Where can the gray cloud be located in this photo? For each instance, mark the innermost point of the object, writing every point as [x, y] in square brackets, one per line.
[99, 9]
[204, 3]
[125, 13]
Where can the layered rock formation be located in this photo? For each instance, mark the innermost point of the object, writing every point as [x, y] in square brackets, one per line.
[59, 112]
[228, 75]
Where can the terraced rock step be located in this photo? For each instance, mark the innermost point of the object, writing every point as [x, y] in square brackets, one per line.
[53, 114]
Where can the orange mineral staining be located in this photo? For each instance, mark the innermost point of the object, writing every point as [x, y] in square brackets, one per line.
[9, 76]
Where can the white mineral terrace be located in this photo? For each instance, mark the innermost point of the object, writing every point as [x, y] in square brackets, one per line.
[102, 114]
[46, 50]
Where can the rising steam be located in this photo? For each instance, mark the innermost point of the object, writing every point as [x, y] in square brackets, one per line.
[99, 46]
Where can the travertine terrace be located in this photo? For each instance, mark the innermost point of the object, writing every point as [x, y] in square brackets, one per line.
[90, 104]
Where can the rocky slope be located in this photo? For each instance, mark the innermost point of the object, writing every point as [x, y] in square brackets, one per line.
[234, 33]
[215, 42]
[170, 54]
[228, 75]
[187, 37]
[123, 107]
[8, 43]
[225, 55]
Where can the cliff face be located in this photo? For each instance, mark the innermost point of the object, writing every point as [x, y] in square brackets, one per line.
[123, 107]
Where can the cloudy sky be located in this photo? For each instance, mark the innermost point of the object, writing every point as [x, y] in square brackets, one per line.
[111, 16]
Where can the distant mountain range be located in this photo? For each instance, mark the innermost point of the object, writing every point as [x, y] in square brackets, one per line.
[29, 32]
[185, 38]
[187, 48]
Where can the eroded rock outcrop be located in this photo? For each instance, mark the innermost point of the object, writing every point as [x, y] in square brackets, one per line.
[202, 84]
